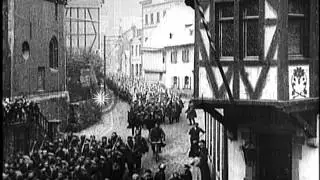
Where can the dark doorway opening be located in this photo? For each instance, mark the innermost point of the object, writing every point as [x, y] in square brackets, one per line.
[275, 157]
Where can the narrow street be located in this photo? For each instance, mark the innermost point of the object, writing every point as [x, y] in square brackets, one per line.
[174, 155]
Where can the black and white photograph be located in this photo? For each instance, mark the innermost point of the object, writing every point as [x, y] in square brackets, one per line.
[160, 90]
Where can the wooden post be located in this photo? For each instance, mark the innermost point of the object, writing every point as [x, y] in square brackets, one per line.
[283, 80]
[196, 52]
[104, 64]
[85, 28]
[236, 50]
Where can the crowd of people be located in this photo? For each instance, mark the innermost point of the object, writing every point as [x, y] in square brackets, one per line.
[82, 157]
[19, 110]
[74, 157]
[150, 103]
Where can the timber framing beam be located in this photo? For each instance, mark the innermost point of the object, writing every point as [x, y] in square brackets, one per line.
[212, 48]
[282, 82]
[196, 53]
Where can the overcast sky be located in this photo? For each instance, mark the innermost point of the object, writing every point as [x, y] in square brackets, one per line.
[124, 12]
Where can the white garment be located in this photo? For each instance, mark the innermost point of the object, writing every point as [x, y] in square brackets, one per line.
[195, 170]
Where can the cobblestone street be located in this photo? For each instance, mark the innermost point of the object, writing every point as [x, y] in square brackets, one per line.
[174, 155]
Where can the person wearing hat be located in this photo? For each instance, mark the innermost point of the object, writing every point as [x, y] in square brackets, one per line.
[194, 139]
[187, 175]
[160, 175]
[157, 134]
[203, 165]
[191, 114]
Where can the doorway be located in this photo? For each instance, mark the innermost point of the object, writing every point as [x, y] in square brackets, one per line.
[274, 157]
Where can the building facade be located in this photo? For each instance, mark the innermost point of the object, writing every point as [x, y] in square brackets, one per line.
[256, 82]
[153, 12]
[83, 25]
[179, 68]
[35, 60]
[136, 53]
[168, 53]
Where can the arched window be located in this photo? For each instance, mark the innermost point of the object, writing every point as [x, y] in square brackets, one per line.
[25, 50]
[53, 53]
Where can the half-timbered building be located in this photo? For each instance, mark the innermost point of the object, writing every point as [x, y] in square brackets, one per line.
[256, 75]
[83, 25]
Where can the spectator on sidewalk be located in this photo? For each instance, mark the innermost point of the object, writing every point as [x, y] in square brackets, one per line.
[203, 165]
[194, 139]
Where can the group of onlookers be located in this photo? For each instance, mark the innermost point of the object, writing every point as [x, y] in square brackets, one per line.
[19, 110]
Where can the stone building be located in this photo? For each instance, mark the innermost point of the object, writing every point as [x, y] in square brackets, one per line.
[256, 84]
[35, 61]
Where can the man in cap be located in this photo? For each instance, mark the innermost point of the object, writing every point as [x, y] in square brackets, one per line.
[160, 175]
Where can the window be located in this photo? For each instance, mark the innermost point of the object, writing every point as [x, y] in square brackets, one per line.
[53, 53]
[132, 69]
[151, 20]
[25, 50]
[186, 82]
[158, 17]
[56, 11]
[164, 13]
[225, 30]
[136, 50]
[170, 35]
[41, 78]
[137, 70]
[164, 57]
[298, 27]
[139, 49]
[146, 19]
[175, 82]
[140, 65]
[174, 57]
[185, 55]
[250, 28]
[132, 50]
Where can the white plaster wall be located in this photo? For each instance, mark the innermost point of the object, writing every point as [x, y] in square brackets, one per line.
[270, 89]
[204, 87]
[156, 6]
[236, 161]
[152, 77]
[309, 164]
[219, 77]
[180, 69]
[152, 60]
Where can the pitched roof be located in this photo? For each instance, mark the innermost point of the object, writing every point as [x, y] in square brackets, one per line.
[177, 28]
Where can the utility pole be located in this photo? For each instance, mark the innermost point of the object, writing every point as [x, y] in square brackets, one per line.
[104, 64]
